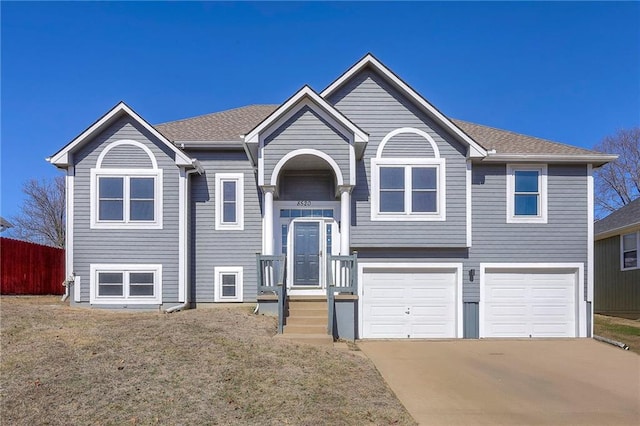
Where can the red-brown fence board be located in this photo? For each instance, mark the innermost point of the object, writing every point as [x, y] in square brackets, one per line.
[28, 268]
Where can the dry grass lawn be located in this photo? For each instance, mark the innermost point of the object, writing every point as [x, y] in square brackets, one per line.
[63, 365]
[622, 330]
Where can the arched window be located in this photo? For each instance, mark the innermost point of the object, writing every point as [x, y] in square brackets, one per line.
[126, 198]
[411, 187]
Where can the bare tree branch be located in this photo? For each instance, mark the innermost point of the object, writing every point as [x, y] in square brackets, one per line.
[42, 216]
[618, 183]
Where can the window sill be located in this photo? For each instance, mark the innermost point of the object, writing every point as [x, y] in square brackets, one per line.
[129, 225]
[222, 227]
[124, 301]
[524, 219]
[407, 218]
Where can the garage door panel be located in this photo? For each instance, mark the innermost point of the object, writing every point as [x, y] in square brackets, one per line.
[529, 303]
[388, 293]
[425, 303]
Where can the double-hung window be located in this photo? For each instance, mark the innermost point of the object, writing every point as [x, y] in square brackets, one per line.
[126, 198]
[130, 283]
[229, 202]
[527, 194]
[630, 246]
[411, 189]
[228, 284]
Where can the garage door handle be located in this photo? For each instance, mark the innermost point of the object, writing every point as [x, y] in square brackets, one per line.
[407, 311]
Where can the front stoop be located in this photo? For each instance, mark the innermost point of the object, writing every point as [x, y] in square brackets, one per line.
[307, 321]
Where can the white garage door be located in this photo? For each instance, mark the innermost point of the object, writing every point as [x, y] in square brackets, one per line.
[533, 303]
[409, 303]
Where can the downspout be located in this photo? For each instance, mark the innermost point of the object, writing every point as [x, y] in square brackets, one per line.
[67, 285]
[186, 304]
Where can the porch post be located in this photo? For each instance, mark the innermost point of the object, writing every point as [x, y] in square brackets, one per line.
[345, 219]
[268, 218]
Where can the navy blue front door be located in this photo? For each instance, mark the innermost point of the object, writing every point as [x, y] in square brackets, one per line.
[306, 253]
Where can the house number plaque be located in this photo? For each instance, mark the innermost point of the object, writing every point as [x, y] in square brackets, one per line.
[304, 203]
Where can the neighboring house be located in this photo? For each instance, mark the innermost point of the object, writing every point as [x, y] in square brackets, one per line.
[461, 230]
[617, 268]
[5, 224]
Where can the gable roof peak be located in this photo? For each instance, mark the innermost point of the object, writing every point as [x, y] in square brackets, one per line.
[62, 158]
[369, 60]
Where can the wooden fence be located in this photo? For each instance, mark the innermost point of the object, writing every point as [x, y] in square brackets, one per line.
[28, 268]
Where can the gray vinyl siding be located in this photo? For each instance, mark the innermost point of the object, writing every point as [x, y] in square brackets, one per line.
[306, 129]
[210, 248]
[563, 239]
[407, 145]
[616, 292]
[127, 156]
[312, 186]
[471, 316]
[378, 108]
[126, 246]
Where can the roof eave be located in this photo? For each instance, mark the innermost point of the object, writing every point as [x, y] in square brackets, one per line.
[596, 159]
[617, 231]
[211, 144]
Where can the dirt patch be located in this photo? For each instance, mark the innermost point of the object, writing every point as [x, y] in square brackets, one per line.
[63, 365]
[621, 329]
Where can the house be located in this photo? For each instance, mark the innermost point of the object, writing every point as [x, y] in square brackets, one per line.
[362, 202]
[617, 268]
[5, 224]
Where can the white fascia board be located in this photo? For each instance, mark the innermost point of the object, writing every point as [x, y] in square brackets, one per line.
[475, 149]
[306, 92]
[61, 158]
[596, 159]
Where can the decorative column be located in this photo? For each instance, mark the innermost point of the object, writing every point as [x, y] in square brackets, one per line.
[345, 218]
[268, 191]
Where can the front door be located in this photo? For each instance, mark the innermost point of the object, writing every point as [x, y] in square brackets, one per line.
[306, 254]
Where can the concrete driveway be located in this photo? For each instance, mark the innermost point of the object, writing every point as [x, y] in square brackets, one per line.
[511, 382]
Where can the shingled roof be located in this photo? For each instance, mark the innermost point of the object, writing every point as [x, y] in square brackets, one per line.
[227, 126]
[224, 126]
[625, 217]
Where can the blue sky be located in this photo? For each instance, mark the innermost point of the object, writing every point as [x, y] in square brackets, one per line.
[568, 72]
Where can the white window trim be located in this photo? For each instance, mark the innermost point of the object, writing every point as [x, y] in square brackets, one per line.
[239, 224]
[218, 272]
[96, 268]
[126, 223]
[439, 215]
[542, 187]
[622, 268]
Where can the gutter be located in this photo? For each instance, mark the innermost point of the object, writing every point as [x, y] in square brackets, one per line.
[187, 304]
[596, 159]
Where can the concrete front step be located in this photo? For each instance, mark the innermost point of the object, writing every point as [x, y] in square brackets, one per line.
[307, 304]
[305, 329]
[307, 320]
[300, 312]
[314, 339]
